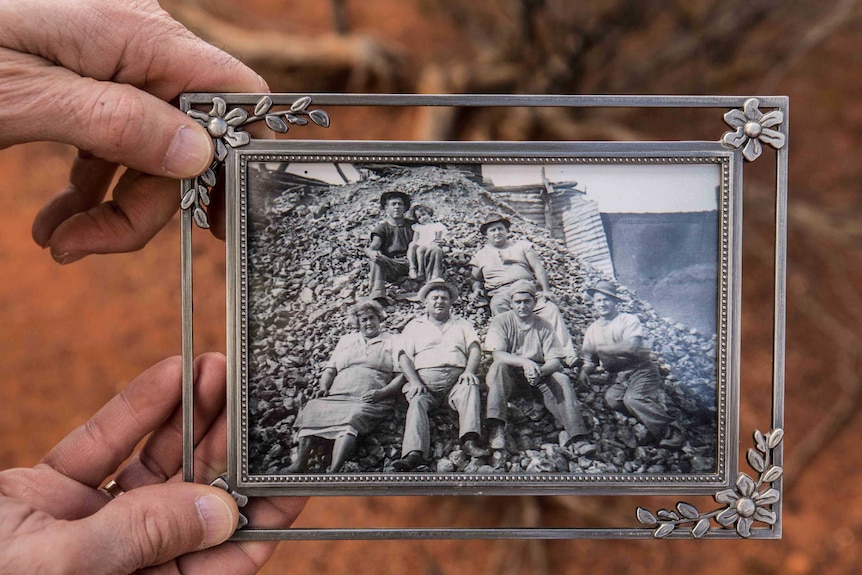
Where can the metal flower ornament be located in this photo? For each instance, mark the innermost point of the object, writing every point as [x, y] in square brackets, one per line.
[224, 127]
[747, 503]
[753, 127]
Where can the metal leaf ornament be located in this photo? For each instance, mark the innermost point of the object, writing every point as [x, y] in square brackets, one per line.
[223, 126]
[744, 505]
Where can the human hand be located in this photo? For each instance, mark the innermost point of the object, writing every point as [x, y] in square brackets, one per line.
[370, 396]
[532, 371]
[468, 378]
[372, 254]
[98, 74]
[54, 518]
[412, 389]
[547, 295]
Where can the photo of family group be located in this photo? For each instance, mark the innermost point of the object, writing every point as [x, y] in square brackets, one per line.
[481, 319]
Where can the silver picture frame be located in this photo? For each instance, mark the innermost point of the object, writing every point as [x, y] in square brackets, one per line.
[677, 199]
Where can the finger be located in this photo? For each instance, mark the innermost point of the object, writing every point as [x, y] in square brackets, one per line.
[142, 205]
[94, 450]
[162, 456]
[146, 47]
[246, 557]
[115, 122]
[148, 526]
[88, 184]
[44, 489]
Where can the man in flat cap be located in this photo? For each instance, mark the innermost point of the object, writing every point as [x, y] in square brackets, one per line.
[387, 252]
[439, 355]
[501, 262]
[527, 355]
[616, 341]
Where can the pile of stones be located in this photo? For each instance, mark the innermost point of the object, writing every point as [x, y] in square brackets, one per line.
[306, 266]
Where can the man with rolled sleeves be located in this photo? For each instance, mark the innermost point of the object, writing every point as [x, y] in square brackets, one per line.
[527, 354]
[616, 341]
[439, 355]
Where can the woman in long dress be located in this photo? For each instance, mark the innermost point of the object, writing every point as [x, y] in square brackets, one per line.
[359, 384]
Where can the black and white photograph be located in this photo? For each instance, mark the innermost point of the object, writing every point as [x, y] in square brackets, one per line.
[505, 322]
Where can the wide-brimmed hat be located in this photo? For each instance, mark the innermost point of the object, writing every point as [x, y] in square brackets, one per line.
[604, 287]
[394, 194]
[523, 286]
[493, 218]
[438, 283]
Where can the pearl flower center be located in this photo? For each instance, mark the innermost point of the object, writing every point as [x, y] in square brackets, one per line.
[217, 127]
[746, 507]
[753, 129]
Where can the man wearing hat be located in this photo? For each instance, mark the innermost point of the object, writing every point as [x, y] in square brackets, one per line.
[616, 340]
[527, 355]
[390, 239]
[439, 355]
[501, 262]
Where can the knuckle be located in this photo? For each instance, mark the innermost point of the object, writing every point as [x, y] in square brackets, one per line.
[116, 116]
[150, 537]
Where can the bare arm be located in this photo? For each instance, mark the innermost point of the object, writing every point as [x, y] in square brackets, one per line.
[626, 346]
[326, 379]
[409, 372]
[473, 357]
[478, 280]
[374, 247]
[531, 369]
[539, 269]
[391, 388]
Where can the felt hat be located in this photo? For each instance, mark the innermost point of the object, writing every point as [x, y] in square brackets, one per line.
[523, 286]
[386, 196]
[493, 218]
[604, 287]
[438, 283]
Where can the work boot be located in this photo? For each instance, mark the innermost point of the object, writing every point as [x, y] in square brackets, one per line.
[410, 461]
[673, 440]
[472, 449]
[498, 436]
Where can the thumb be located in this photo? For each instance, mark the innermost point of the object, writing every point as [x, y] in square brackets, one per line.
[118, 123]
[151, 525]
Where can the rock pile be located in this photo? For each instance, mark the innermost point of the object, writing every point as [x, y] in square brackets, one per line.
[306, 266]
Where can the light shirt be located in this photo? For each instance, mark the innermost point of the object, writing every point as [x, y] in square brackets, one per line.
[355, 349]
[623, 327]
[426, 234]
[502, 266]
[428, 345]
[536, 342]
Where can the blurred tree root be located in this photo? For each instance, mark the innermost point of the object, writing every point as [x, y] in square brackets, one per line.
[334, 61]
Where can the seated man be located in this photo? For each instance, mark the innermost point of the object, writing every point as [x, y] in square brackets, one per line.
[526, 351]
[387, 252]
[502, 262]
[439, 354]
[616, 341]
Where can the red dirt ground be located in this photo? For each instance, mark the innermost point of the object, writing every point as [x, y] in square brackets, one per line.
[72, 336]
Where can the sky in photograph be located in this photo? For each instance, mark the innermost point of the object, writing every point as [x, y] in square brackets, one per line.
[621, 188]
[625, 188]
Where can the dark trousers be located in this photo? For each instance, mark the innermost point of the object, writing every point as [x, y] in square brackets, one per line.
[638, 391]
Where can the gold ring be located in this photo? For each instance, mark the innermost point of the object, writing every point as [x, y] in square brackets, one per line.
[113, 489]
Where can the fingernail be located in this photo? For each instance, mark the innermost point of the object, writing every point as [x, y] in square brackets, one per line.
[68, 257]
[218, 519]
[189, 154]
